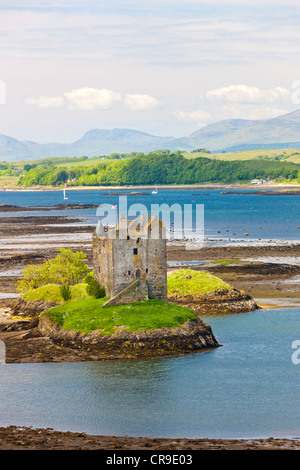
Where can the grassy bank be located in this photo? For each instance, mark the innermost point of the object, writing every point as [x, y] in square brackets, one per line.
[89, 315]
[181, 282]
[52, 293]
[288, 154]
[189, 282]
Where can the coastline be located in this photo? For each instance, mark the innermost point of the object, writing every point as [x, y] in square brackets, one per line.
[208, 186]
[20, 438]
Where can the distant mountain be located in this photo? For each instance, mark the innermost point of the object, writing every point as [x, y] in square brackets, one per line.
[226, 135]
[283, 131]
[94, 142]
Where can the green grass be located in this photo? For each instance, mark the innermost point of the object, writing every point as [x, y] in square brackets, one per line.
[286, 154]
[227, 262]
[180, 282]
[9, 181]
[89, 315]
[188, 281]
[51, 293]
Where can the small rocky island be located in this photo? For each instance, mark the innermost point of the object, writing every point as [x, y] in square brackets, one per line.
[206, 294]
[128, 306]
[192, 336]
[130, 263]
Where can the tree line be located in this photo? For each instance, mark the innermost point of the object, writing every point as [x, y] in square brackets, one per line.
[156, 168]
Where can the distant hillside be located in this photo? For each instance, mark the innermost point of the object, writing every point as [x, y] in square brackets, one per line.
[93, 143]
[227, 135]
[234, 135]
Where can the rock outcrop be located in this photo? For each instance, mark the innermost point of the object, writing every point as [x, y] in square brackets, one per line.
[25, 315]
[30, 309]
[218, 302]
[193, 336]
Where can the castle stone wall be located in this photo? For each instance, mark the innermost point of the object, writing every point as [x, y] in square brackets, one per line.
[120, 261]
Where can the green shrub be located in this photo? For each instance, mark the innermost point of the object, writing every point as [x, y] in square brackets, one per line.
[65, 291]
[93, 287]
[67, 267]
[52, 293]
[88, 277]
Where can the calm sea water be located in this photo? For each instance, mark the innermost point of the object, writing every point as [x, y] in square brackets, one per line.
[227, 216]
[249, 387]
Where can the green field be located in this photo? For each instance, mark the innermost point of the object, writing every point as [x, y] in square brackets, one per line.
[8, 181]
[289, 155]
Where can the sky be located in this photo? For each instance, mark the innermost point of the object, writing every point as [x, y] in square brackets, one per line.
[165, 67]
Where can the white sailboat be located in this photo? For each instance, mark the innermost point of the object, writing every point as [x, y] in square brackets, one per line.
[65, 196]
[155, 190]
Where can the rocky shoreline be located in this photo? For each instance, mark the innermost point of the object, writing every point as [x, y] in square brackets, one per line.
[13, 208]
[31, 339]
[20, 438]
[218, 302]
[193, 336]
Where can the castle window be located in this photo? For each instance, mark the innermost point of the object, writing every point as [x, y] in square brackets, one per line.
[147, 270]
[128, 237]
[138, 240]
[128, 272]
[135, 251]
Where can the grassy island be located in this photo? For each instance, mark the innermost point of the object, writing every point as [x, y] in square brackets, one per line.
[85, 313]
[190, 282]
[89, 315]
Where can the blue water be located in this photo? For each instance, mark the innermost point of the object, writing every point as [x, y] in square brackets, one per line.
[227, 216]
[249, 387]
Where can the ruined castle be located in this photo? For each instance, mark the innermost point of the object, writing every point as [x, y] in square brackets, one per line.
[130, 260]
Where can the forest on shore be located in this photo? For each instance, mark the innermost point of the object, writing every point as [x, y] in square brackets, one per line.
[158, 168]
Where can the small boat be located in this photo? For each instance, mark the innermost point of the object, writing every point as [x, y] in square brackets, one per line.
[65, 197]
[155, 190]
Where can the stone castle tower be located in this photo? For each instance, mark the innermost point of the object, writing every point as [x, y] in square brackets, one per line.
[130, 260]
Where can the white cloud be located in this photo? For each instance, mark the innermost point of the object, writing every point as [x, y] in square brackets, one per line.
[46, 101]
[247, 94]
[141, 102]
[91, 98]
[80, 98]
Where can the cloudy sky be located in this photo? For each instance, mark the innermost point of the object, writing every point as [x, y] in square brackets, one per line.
[166, 67]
